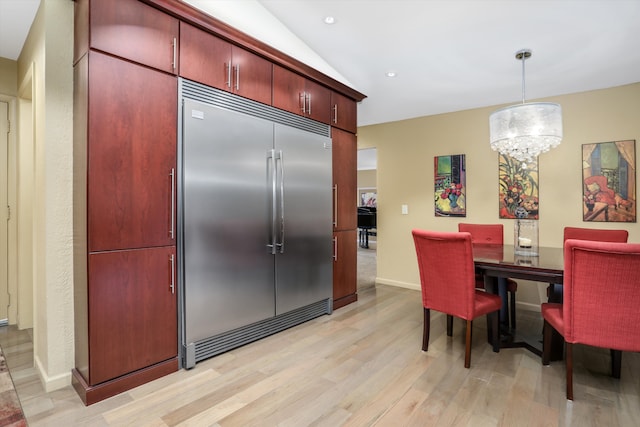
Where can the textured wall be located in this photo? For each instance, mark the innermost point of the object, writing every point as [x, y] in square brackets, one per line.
[405, 174]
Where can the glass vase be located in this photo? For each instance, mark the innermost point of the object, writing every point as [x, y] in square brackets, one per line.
[525, 237]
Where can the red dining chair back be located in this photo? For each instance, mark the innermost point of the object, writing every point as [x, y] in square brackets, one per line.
[447, 279]
[492, 234]
[596, 234]
[489, 234]
[601, 300]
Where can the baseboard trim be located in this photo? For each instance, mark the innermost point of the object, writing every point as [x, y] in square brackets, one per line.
[398, 284]
[93, 394]
[51, 383]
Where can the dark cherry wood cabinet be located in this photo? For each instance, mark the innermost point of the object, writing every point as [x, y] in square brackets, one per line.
[345, 180]
[343, 112]
[210, 60]
[296, 94]
[127, 58]
[128, 29]
[132, 155]
[345, 268]
[133, 309]
[125, 139]
[345, 222]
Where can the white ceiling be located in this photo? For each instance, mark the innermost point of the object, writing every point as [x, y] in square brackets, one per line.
[449, 55]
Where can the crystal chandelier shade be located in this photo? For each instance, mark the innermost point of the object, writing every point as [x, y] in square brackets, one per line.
[526, 130]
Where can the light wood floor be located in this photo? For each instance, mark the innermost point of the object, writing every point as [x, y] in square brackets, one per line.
[360, 366]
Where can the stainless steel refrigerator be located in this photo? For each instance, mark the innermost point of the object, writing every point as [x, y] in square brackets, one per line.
[255, 216]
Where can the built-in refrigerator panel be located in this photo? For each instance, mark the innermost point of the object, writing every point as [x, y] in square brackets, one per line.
[228, 270]
[255, 247]
[304, 269]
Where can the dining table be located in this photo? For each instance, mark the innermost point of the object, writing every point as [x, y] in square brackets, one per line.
[495, 261]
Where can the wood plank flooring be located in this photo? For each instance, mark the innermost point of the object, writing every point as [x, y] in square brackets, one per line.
[360, 366]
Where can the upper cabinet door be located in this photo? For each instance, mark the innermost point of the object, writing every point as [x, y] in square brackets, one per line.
[251, 75]
[132, 155]
[318, 100]
[135, 31]
[207, 59]
[343, 112]
[204, 58]
[288, 90]
[294, 93]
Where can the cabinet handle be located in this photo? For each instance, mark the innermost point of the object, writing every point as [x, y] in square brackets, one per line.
[303, 102]
[172, 283]
[227, 67]
[335, 249]
[335, 113]
[175, 48]
[237, 67]
[335, 206]
[309, 100]
[172, 174]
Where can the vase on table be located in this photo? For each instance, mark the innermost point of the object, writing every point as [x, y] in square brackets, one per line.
[590, 206]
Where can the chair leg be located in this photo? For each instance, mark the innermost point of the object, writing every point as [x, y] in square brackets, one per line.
[512, 309]
[546, 343]
[616, 363]
[449, 325]
[569, 358]
[425, 329]
[467, 350]
[495, 330]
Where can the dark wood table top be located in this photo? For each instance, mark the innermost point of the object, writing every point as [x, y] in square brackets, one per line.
[501, 261]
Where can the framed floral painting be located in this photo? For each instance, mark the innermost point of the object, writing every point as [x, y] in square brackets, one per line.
[450, 185]
[609, 181]
[518, 188]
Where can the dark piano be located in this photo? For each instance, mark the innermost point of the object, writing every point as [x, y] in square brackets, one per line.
[366, 222]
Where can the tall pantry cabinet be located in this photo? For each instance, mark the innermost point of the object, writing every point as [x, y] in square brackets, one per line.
[125, 145]
[128, 56]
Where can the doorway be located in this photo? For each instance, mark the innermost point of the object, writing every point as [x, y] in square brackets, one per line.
[367, 218]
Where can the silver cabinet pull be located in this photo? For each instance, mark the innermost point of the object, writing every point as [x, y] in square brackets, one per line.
[172, 284]
[335, 249]
[237, 67]
[227, 67]
[303, 102]
[335, 113]
[309, 101]
[172, 174]
[281, 187]
[175, 55]
[335, 206]
[271, 190]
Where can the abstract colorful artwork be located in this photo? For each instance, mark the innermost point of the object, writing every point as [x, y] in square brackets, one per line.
[609, 181]
[518, 188]
[450, 185]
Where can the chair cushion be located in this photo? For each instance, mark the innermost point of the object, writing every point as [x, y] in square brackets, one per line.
[552, 313]
[512, 285]
[486, 303]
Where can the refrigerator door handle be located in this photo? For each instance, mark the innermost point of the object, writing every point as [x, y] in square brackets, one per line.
[271, 188]
[280, 157]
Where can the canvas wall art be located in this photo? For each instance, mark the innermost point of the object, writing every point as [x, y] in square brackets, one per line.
[518, 190]
[609, 181]
[450, 185]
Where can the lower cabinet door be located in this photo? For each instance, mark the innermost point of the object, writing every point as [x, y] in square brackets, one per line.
[345, 268]
[132, 311]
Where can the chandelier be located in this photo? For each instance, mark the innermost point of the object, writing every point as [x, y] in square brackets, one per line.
[526, 130]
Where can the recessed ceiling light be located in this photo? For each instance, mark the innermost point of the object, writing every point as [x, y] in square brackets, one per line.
[391, 74]
[329, 20]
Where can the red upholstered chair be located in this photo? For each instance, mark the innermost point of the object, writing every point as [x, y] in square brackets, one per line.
[447, 278]
[492, 234]
[596, 234]
[601, 300]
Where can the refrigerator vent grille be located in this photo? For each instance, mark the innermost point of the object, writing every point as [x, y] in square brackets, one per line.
[219, 98]
[241, 336]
